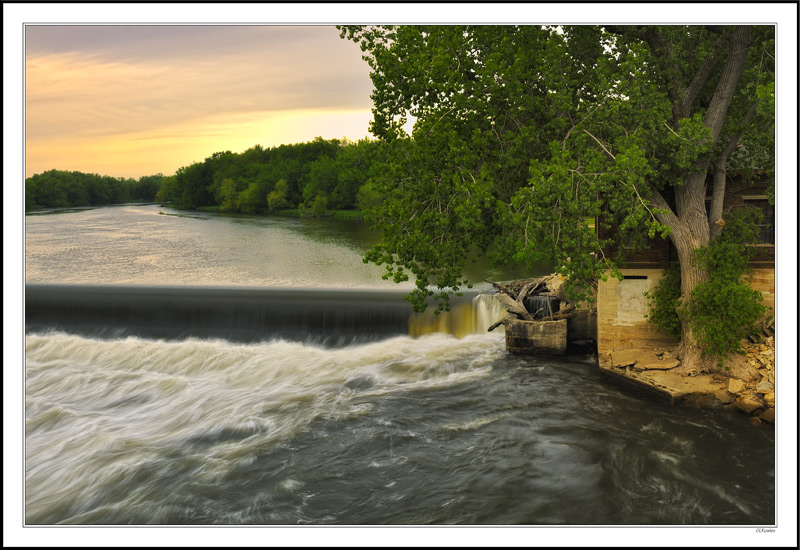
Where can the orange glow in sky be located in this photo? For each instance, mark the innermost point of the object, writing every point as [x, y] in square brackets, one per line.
[135, 100]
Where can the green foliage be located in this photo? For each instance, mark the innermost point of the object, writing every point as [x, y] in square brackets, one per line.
[368, 197]
[58, 188]
[663, 302]
[263, 180]
[319, 207]
[723, 308]
[522, 132]
[347, 214]
[228, 195]
[277, 197]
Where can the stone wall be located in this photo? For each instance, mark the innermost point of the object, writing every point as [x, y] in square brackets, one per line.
[621, 311]
[537, 337]
[764, 280]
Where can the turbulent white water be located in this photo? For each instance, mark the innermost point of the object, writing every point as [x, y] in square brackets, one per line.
[100, 410]
[408, 430]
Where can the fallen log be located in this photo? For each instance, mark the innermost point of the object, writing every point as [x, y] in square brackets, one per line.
[514, 307]
[566, 312]
[515, 288]
[502, 321]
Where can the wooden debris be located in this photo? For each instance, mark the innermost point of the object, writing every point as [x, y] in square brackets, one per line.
[514, 293]
[564, 313]
[514, 307]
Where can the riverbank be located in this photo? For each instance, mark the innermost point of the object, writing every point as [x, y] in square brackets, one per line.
[653, 373]
[287, 213]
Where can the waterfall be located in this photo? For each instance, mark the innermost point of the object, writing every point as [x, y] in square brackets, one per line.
[468, 316]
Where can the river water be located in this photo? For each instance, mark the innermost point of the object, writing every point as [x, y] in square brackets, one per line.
[201, 369]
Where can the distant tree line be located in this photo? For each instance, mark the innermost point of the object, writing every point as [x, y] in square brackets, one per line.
[312, 177]
[315, 177]
[59, 188]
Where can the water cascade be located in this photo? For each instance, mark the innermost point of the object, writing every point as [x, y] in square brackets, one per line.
[472, 315]
[329, 317]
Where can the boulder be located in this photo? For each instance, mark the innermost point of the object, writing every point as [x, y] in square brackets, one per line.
[765, 386]
[724, 397]
[768, 415]
[735, 385]
[748, 403]
[626, 358]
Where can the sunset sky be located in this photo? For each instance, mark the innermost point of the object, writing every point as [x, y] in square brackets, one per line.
[130, 100]
[128, 90]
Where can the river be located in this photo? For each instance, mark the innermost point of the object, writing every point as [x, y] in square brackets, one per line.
[203, 369]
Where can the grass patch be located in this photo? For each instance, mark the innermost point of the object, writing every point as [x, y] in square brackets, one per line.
[289, 213]
[338, 214]
[347, 214]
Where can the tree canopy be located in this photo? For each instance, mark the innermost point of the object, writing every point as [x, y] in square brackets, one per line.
[60, 188]
[290, 176]
[524, 132]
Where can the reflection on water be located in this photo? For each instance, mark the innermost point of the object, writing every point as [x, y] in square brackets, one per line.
[152, 245]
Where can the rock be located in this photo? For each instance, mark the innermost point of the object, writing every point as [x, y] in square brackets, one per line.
[755, 421]
[735, 385]
[700, 399]
[659, 364]
[768, 415]
[625, 358]
[769, 398]
[748, 403]
[765, 386]
[724, 397]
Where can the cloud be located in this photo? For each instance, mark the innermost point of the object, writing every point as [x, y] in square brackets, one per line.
[125, 83]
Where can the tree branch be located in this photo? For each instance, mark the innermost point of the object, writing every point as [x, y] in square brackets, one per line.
[723, 94]
[665, 215]
[661, 50]
[601, 144]
[720, 174]
[690, 93]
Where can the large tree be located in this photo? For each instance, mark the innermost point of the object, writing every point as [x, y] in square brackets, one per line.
[524, 132]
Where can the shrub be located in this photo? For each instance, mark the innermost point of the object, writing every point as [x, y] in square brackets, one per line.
[663, 302]
[723, 308]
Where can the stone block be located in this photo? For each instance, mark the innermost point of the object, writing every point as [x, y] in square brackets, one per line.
[658, 364]
[748, 403]
[625, 358]
[735, 385]
[537, 337]
[768, 415]
[765, 386]
[724, 397]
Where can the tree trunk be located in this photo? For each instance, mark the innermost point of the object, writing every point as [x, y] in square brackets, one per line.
[689, 221]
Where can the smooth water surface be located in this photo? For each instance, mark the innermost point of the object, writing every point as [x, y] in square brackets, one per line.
[152, 245]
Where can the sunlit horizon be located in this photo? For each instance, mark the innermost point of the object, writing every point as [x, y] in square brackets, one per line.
[136, 100]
